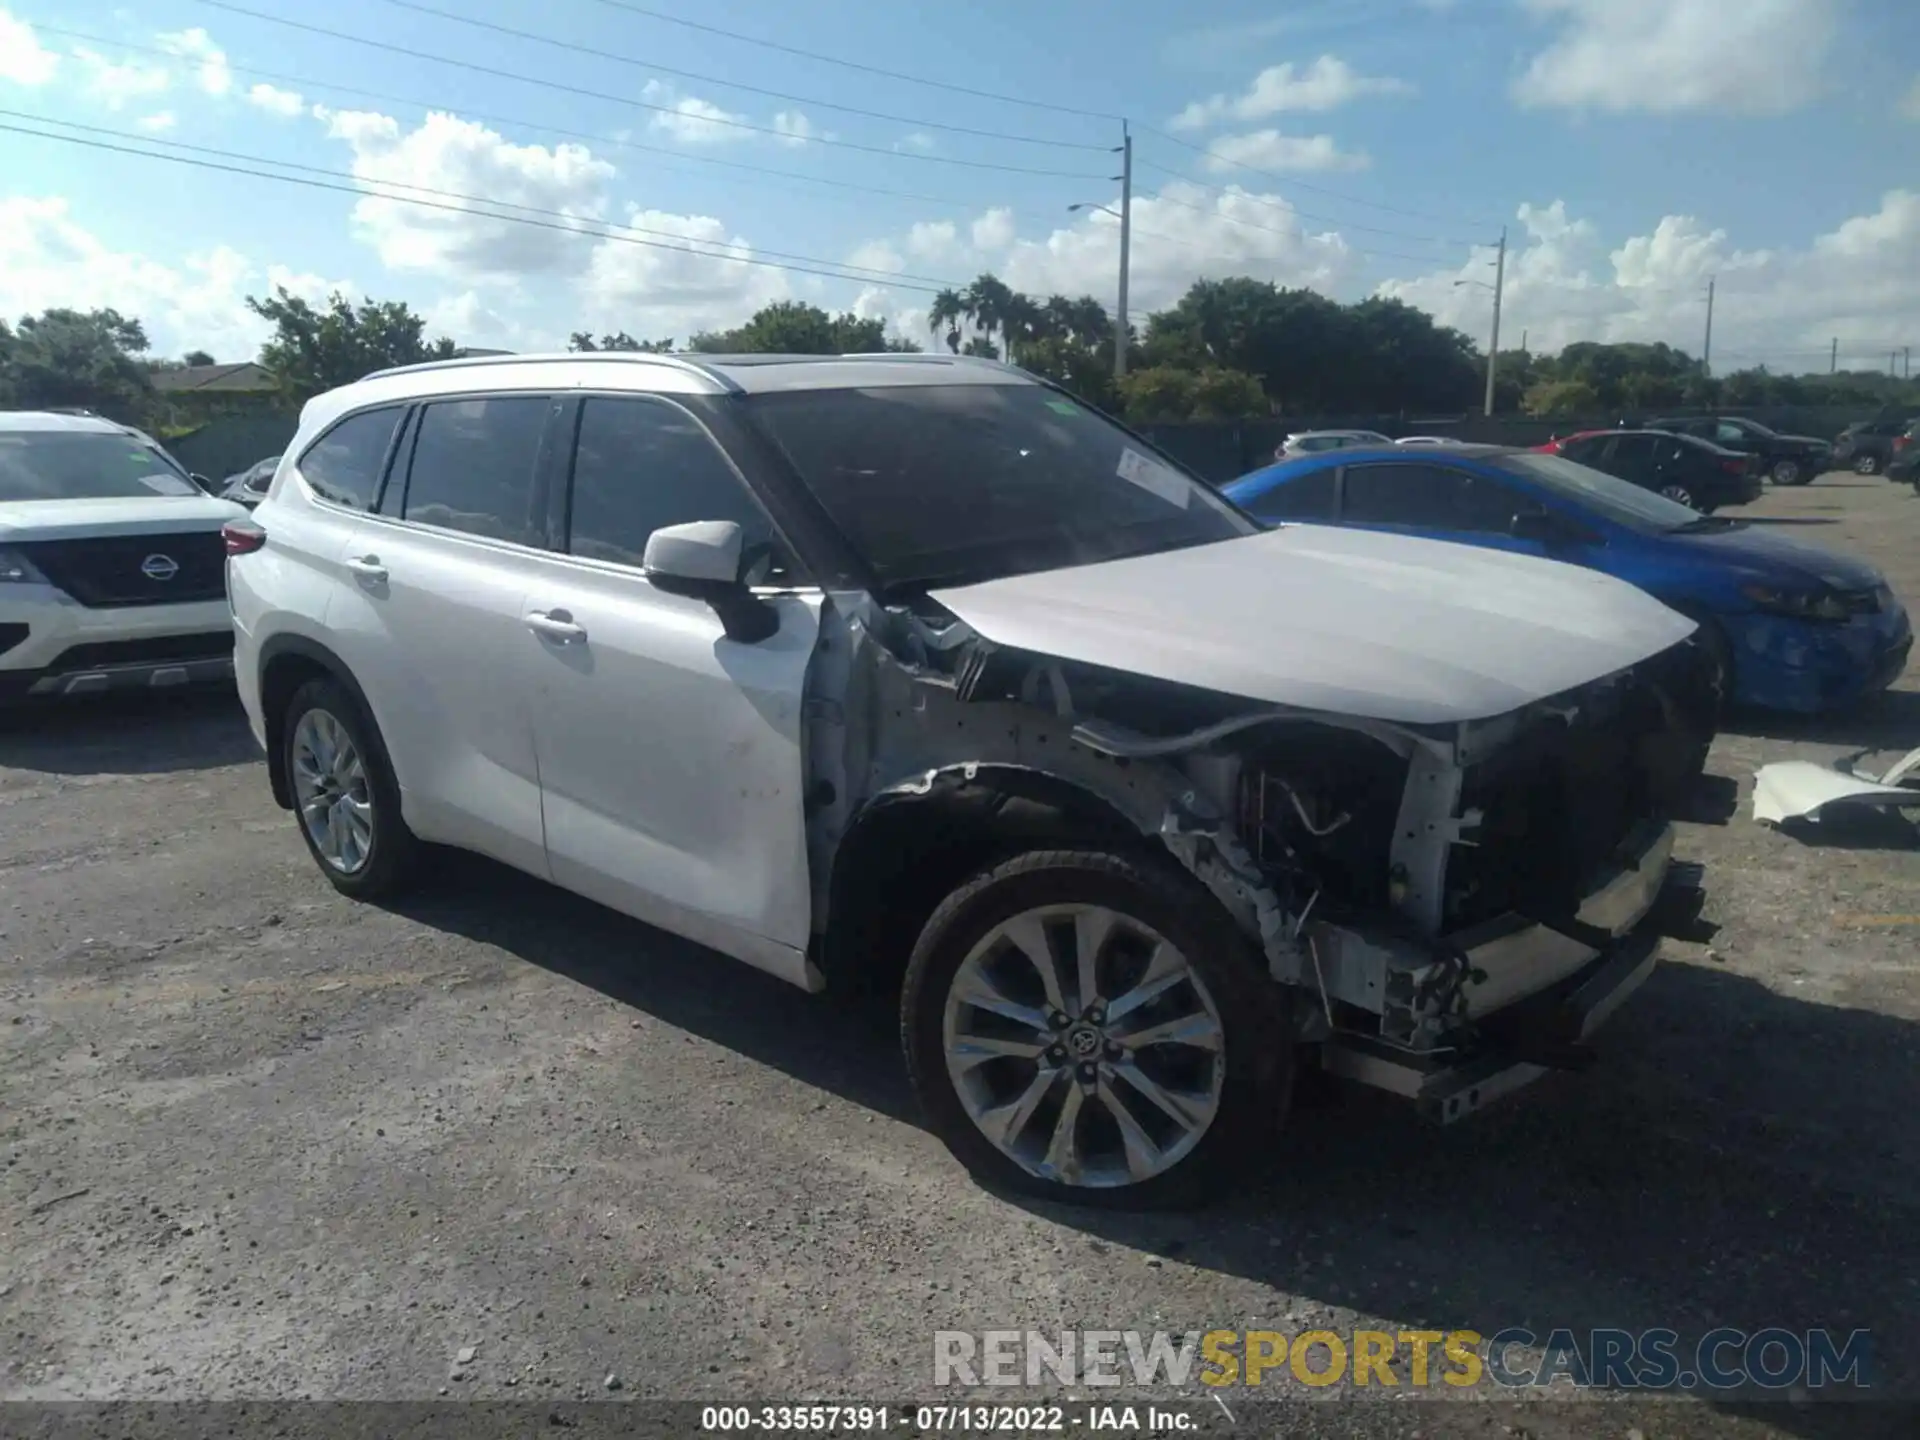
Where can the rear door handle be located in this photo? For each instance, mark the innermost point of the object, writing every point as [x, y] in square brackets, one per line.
[556, 625]
[367, 567]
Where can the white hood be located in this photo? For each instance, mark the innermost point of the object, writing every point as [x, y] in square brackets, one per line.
[1348, 622]
[123, 515]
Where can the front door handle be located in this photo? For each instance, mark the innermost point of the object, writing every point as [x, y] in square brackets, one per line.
[556, 625]
[367, 567]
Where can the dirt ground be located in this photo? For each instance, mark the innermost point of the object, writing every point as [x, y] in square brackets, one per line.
[262, 1142]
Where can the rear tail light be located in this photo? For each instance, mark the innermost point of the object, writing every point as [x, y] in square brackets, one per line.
[1734, 467]
[1900, 442]
[242, 537]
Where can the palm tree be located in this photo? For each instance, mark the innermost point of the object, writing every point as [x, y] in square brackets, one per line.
[947, 308]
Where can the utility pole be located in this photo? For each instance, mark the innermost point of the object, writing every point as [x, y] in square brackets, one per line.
[1906, 361]
[1893, 362]
[1833, 359]
[1523, 343]
[1706, 350]
[1499, 283]
[1126, 249]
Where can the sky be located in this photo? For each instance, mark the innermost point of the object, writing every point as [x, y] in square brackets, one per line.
[670, 166]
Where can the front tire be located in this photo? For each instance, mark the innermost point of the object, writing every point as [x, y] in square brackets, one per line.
[1789, 472]
[1093, 1028]
[345, 799]
[1867, 464]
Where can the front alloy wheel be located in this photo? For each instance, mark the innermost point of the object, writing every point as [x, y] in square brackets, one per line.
[1093, 1027]
[1786, 472]
[1083, 1045]
[1866, 464]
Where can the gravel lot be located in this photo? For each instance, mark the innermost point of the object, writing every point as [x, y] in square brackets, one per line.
[262, 1142]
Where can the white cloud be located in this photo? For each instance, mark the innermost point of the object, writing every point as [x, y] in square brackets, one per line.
[917, 142]
[465, 158]
[209, 60]
[1780, 307]
[794, 128]
[702, 281]
[48, 258]
[116, 86]
[275, 101]
[876, 255]
[1270, 150]
[1666, 56]
[23, 59]
[993, 231]
[157, 123]
[1326, 84]
[690, 120]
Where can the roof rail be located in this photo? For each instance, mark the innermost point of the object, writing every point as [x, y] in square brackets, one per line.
[629, 357]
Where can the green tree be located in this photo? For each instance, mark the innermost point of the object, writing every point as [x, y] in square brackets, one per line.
[198, 357]
[90, 359]
[1562, 397]
[1161, 393]
[317, 348]
[793, 327]
[944, 316]
[582, 341]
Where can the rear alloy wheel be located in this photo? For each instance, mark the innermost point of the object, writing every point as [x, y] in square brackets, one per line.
[1092, 1028]
[344, 796]
[1679, 493]
[1789, 472]
[1866, 464]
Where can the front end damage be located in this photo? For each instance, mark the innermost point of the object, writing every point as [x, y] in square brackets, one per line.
[1452, 909]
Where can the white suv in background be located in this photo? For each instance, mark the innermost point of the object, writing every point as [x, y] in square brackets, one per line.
[112, 569]
[854, 666]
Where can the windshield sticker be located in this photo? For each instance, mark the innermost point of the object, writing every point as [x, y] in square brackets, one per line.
[1063, 407]
[1150, 475]
[160, 484]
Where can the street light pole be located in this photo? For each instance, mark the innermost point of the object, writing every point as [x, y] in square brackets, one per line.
[1126, 248]
[1706, 348]
[1499, 284]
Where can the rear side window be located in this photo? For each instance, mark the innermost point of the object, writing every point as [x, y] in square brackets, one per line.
[343, 466]
[643, 464]
[1429, 497]
[474, 467]
[1308, 498]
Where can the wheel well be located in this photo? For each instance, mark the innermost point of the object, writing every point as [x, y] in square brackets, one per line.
[281, 677]
[905, 853]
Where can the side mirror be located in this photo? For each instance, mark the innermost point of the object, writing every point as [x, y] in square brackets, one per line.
[204, 483]
[704, 560]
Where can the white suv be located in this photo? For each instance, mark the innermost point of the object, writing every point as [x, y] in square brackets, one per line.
[112, 568]
[849, 666]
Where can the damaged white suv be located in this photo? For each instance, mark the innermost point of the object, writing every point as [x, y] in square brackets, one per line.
[840, 665]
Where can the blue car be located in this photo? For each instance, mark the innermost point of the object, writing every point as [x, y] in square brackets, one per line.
[1791, 626]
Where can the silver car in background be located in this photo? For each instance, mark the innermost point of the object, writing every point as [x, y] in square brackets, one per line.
[1313, 442]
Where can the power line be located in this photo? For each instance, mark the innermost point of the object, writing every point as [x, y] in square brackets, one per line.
[326, 86]
[360, 188]
[1310, 215]
[872, 274]
[619, 59]
[559, 85]
[1301, 184]
[824, 59]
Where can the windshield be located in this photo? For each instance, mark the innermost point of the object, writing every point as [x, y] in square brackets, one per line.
[1611, 499]
[950, 484]
[84, 465]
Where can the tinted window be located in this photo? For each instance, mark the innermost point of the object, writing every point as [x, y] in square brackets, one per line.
[1430, 497]
[473, 467]
[1310, 497]
[1725, 431]
[1313, 444]
[1599, 493]
[1585, 451]
[640, 465]
[344, 464]
[1630, 455]
[84, 465]
[951, 483]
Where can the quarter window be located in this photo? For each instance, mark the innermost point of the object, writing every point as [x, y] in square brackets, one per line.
[344, 465]
[1308, 498]
[474, 467]
[1430, 497]
[640, 465]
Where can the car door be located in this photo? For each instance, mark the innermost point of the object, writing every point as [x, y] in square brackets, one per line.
[671, 762]
[1438, 501]
[432, 619]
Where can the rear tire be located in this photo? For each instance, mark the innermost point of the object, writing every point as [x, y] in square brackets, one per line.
[345, 799]
[1679, 494]
[1789, 472]
[1082, 1107]
[1868, 464]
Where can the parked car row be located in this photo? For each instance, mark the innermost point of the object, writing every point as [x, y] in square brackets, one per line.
[1870, 446]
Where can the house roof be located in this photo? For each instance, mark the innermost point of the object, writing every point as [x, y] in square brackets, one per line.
[243, 376]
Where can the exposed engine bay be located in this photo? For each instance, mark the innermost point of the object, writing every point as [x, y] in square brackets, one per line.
[1418, 887]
